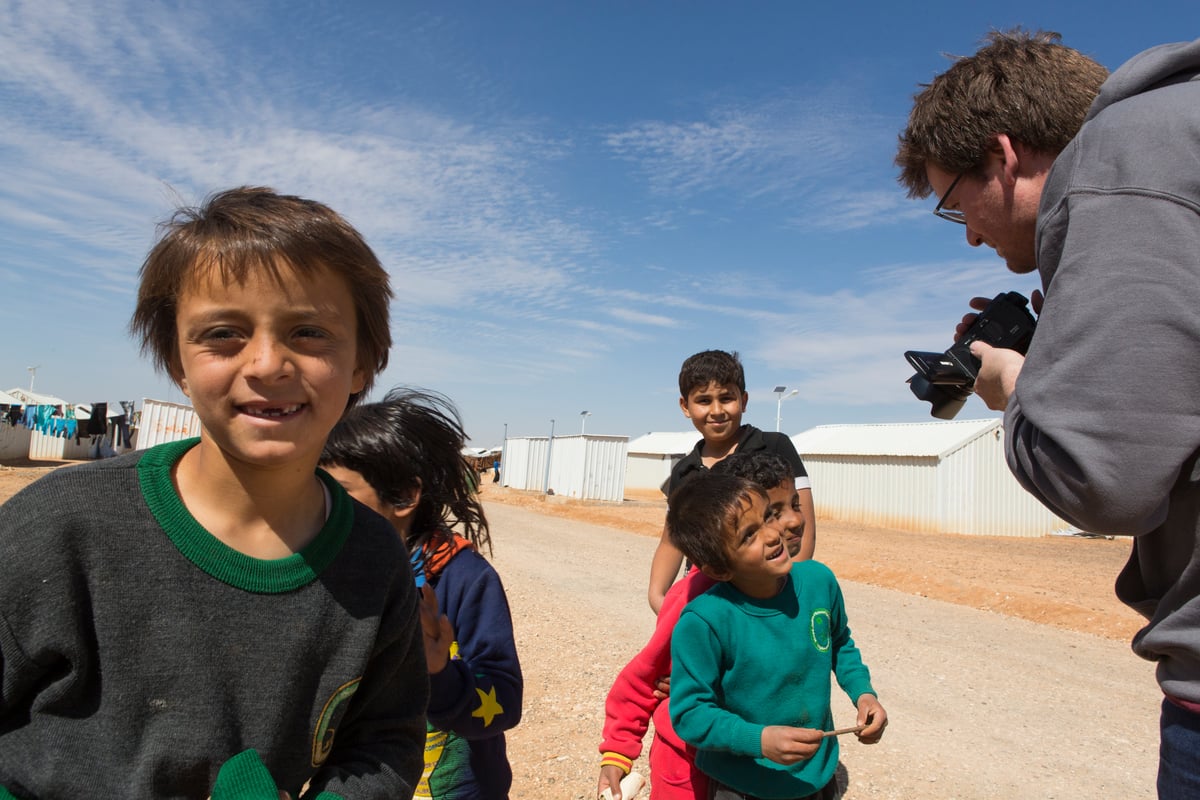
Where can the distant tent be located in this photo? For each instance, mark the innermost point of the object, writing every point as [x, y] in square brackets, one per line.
[481, 459]
[33, 399]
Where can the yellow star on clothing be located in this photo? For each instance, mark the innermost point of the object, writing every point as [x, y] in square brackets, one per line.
[489, 707]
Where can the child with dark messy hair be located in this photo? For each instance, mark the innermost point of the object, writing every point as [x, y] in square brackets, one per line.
[403, 458]
[753, 656]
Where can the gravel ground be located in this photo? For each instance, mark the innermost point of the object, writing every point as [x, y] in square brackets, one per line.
[981, 705]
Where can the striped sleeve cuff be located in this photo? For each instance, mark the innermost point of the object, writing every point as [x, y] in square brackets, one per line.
[616, 760]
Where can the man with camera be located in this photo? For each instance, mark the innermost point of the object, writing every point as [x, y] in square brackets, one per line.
[1098, 188]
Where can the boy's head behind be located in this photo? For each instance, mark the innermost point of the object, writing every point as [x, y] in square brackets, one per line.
[711, 367]
[773, 474]
[407, 451]
[712, 394]
[252, 231]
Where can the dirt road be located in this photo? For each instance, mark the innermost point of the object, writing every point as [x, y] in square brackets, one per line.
[982, 705]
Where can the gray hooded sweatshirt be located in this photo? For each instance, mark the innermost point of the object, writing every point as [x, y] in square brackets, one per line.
[1104, 426]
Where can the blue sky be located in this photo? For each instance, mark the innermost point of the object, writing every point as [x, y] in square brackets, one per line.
[571, 197]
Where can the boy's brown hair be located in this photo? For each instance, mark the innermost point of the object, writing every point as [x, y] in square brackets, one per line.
[1027, 85]
[702, 513]
[711, 366]
[254, 229]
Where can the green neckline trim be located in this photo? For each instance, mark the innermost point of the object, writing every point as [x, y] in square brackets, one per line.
[261, 576]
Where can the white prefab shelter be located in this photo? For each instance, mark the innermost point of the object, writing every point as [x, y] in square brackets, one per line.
[14, 439]
[945, 477]
[14, 442]
[163, 421]
[582, 466]
[653, 456]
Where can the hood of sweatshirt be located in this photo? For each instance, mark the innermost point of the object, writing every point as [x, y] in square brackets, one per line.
[1151, 69]
[1138, 138]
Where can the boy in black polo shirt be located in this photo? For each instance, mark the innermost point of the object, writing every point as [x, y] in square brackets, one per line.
[712, 394]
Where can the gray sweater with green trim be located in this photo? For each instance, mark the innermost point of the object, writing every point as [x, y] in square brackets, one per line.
[138, 653]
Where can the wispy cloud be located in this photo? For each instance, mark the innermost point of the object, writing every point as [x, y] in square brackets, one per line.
[848, 211]
[641, 318]
[778, 147]
[846, 347]
[450, 207]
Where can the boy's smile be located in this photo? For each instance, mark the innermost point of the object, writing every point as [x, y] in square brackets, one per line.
[716, 411]
[268, 365]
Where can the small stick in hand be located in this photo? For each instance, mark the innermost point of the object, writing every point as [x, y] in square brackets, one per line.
[840, 731]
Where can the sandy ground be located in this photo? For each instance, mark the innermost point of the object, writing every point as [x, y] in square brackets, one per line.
[1064, 581]
[1003, 662]
[983, 705]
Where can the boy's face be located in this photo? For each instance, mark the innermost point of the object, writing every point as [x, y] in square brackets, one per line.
[268, 366]
[357, 487]
[758, 558]
[716, 410]
[784, 502]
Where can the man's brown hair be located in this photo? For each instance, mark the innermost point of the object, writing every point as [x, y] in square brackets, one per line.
[1027, 85]
[250, 230]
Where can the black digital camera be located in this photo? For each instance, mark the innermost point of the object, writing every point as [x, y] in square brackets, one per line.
[947, 379]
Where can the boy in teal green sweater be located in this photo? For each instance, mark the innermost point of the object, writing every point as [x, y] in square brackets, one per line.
[752, 657]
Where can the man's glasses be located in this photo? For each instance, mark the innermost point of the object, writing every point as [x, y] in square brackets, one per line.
[951, 214]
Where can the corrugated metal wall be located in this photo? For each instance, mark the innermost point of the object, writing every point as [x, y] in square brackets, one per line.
[14, 441]
[162, 421]
[524, 463]
[969, 491]
[581, 466]
[589, 467]
[888, 491]
[647, 470]
[54, 448]
[979, 495]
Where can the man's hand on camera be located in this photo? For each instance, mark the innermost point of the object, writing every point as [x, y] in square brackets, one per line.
[980, 303]
[997, 377]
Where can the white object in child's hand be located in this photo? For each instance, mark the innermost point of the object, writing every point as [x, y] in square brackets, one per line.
[631, 784]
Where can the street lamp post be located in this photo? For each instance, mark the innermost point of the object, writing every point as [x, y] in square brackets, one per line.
[503, 455]
[583, 415]
[549, 450]
[779, 392]
[32, 374]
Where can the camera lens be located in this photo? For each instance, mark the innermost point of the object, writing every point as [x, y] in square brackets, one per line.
[946, 401]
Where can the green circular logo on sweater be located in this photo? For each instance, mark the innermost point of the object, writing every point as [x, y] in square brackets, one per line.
[331, 716]
[821, 628]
